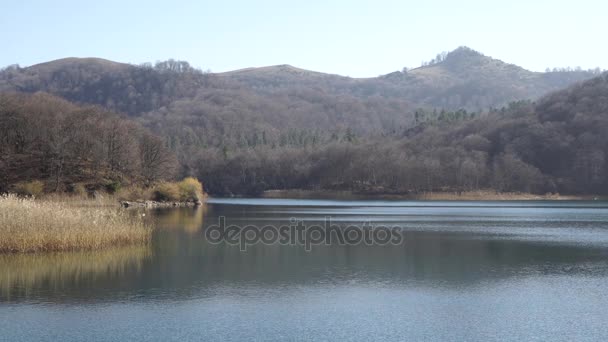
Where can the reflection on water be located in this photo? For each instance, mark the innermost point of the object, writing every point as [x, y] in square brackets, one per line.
[22, 274]
[466, 271]
[187, 219]
[442, 247]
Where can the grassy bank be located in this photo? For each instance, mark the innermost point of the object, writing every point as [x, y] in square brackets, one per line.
[28, 225]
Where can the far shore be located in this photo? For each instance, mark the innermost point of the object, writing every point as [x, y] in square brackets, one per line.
[481, 195]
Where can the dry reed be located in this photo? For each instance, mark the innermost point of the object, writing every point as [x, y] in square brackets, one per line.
[29, 225]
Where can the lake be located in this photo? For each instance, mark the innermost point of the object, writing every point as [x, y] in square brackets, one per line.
[477, 271]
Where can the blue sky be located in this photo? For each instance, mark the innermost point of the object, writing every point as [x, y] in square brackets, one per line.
[354, 38]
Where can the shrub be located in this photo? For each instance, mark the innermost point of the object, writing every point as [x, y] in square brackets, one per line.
[113, 187]
[166, 191]
[190, 189]
[33, 188]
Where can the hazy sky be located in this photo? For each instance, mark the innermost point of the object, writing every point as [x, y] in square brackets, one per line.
[348, 37]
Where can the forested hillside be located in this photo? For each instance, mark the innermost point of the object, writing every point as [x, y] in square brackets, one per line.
[118, 87]
[433, 128]
[558, 144]
[461, 79]
[46, 138]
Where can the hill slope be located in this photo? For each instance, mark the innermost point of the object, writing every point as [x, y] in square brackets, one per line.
[461, 79]
[119, 87]
[241, 139]
[43, 137]
[555, 145]
[284, 127]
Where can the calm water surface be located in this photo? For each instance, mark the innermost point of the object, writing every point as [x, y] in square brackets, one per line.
[477, 271]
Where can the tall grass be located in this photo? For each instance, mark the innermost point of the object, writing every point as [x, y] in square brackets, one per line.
[29, 225]
[81, 201]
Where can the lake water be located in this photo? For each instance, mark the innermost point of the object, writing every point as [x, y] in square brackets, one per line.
[476, 271]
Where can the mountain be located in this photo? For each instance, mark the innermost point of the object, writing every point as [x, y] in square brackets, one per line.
[466, 78]
[461, 79]
[197, 109]
[556, 145]
[119, 87]
[283, 127]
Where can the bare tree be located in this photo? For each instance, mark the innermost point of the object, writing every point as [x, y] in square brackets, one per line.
[156, 161]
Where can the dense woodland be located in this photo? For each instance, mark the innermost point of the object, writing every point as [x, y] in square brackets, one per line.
[555, 145]
[461, 122]
[43, 137]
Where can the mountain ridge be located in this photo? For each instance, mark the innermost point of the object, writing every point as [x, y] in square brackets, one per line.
[460, 79]
[244, 136]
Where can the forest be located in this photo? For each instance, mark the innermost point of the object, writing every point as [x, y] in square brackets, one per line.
[48, 139]
[555, 145]
[101, 123]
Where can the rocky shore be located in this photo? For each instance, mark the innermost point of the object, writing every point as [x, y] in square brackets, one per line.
[155, 204]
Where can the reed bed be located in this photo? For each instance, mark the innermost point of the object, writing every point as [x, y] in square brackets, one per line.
[82, 201]
[30, 225]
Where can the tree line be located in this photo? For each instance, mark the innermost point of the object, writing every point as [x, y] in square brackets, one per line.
[46, 138]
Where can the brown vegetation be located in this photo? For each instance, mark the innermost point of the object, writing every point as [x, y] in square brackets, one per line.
[558, 145]
[281, 127]
[44, 138]
[459, 79]
[187, 190]
[28, 225]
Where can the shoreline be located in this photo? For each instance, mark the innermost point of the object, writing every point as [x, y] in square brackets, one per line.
[481, 195]
[156, 204]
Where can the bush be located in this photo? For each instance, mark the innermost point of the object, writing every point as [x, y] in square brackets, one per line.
[113, 187]
[33, 188]
[190, 189]
[165, 192]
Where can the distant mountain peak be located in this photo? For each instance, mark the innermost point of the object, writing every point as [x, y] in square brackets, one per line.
[464, 58]
[279, 70]
[460, 58]
[464, 61]
[71, 61]
[463, 52]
